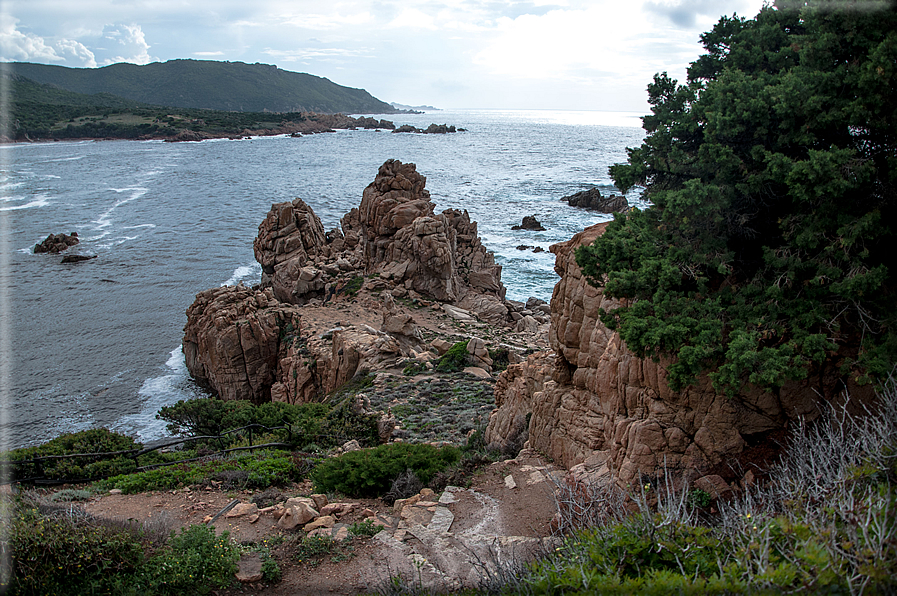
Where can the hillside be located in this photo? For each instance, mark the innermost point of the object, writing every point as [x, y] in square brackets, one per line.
[229, 86]
[44, 111]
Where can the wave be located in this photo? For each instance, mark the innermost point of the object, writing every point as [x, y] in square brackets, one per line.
[39, 201]
[243, 273]
[105, 219]
[157, 393]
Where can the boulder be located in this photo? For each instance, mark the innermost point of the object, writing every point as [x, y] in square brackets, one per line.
[290, 239]
[233, 341]
[529, 223]
[592, 199]
[56, 243]
[77, 258]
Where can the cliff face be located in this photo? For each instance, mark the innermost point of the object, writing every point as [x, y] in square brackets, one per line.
[597, 407]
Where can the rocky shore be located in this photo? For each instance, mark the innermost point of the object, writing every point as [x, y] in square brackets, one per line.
[397, 284]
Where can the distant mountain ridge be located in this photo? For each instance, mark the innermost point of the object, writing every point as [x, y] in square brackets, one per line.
[207, 84]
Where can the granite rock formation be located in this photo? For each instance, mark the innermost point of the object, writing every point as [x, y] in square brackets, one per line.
[56, 243]
[245, 343]
[439, 256]
[234, 340]
[592, 199]
[596, 407]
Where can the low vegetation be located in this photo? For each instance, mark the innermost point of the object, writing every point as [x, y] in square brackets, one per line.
[63, 551]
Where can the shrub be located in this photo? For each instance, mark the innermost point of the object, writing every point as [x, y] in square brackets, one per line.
[59, 556]
[370, 472]
[95, 440]
[196, 561]
[365, 528]
[454, 359]
[257, 470]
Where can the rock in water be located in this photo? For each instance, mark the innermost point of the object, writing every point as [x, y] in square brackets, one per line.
[592, 199]
[56, 243]
[529, 223]
[77, 258]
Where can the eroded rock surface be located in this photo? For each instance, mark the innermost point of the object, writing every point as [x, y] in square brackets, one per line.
[594, 404]
[56, 243]
[233, 341]
[439, 256]
[592, 199]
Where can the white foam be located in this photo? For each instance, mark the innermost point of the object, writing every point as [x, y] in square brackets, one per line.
[158, 392]
[105, 220]
[139, 226]
[243, 273]
[39, 201]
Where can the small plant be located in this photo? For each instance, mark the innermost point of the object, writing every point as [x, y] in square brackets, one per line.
[71, 494]
[699, 498]
[414, 368]
[352, 286]
[196, 561]
[312, 548]
[366, 528]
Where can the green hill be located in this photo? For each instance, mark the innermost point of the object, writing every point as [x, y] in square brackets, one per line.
[204, 84]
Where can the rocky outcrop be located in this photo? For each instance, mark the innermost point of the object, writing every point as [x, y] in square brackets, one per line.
[595, 406]
[235, 339]
[56, 243]
[592, 199]
[290, 240]
[430, 130]
[245, 344]
[439, 256]
[529, 223]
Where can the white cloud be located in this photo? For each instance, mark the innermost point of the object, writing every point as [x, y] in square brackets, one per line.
[208, 54]
[619, 41]
[312, 53]
[327, 22]
[129, 43]
[27, 47]
[412, 18]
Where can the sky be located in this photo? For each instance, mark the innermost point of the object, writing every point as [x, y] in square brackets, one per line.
[452, 54]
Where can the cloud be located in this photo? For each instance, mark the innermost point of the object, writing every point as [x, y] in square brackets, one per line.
[615, 42]
[412, 18]
[690, 14]
[316, 53]
[322, 22]
[129, 44]
[219, 53]
[27, 47]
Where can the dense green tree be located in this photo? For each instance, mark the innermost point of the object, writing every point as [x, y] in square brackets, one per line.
[769, 250]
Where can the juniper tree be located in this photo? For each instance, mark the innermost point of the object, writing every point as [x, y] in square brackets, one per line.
[769, 250]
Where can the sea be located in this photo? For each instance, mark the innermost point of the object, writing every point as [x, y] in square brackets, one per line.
[98, 343]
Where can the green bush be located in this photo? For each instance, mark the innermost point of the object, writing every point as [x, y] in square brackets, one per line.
[365, 528]
[196, 561]
[95, 440]
[370, 472]
[454, 359]
[263, 469]
[766, 254]
[57, 556]
[322, 425]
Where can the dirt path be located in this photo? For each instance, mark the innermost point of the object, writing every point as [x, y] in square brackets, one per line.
[457, 535]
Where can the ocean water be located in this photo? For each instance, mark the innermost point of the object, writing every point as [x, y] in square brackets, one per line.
[98, 343]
